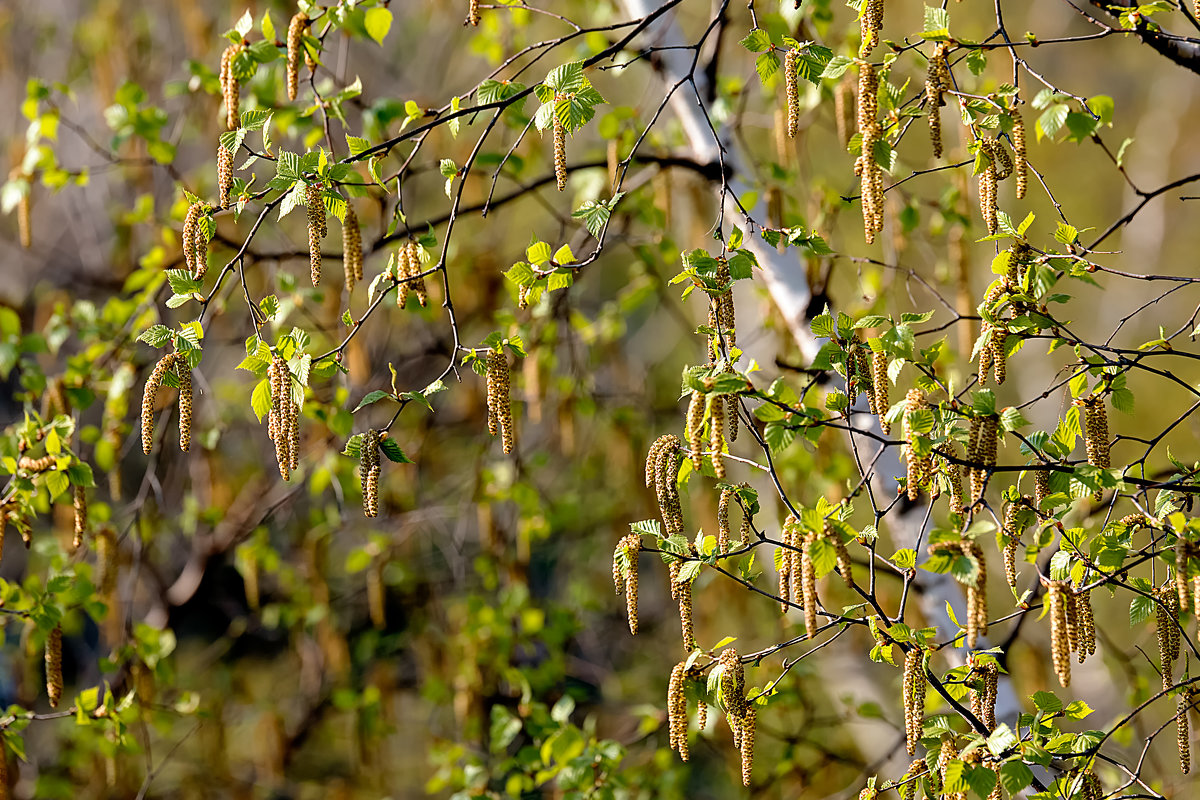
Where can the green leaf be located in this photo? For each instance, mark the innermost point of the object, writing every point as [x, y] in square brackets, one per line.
[1015, 776]
[567, 78]
[372, 397]
[766, 65]
[156, 335]
[260, 399]
[1048, 702]
[377, 21]
[392, 450]
[244, 25]
[1140, 610]
[937, 24]
[756, 41]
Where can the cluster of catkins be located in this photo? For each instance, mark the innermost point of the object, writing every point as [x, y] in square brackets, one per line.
[870, 23]
[283, 420]
[739, 713]
[368, 472]
[992, 344]
[714, 408]
[1011, 529]
[983, 697]
[1166, 624]
[498, 400]
[999, 166]
[919, 467]
[1187, 576]
[662, 468]
[176, 363]
[868, 170]
[1072, 627]
[982, 441]
[937, 83]
[195, 240]
[408, 274]
[915, 683]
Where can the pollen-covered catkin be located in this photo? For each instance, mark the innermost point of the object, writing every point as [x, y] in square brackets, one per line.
[808, 586]
[1095, 435]
[695, 429]
[987, 188]
[1041, 488]
[499, 401]
[224, 175]
[869, 172]
[414, 265]
[749, 720]
[984, 455]
[723, 531]
[80, 506]
[183, 370]
[977, 609]
[368, 472]
[1018, 143]
[294, 41]
[870, 23]
[1184, 552]
[937, 81]
[1012, 540]
[560, 151]
[733, 691]
[230, 88]
[662, 469]
[352, 254]
[879, 388]
[677, 711]
[844, 565]
[914, 698]
[983, 700]
[283, 417]
[792, 89]
[908, 787]
[1060, 644]
[148, 397]
[54, 675]
[317, 228]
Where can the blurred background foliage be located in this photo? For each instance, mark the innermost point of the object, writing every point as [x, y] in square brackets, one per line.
[498, 658]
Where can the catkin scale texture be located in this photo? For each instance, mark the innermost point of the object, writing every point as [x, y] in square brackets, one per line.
[792, 90]
[54, 674]
[295, 33]
[317, 228]
[352, 254]
[560, 152]
[224, 175]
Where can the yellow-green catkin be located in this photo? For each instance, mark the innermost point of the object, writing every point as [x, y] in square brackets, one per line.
[1087, 624]
[1183, 701]
[190, 223]
[183, 371]
[352, 254]
[918, 466]
[368, 472]
[414, 265]
[282, 418]
[749, 721]
[912, 775]
[695, 429]
[879, 388]
[499, 401]
[792, 90]
[984, 455]
[224, 175]
[1019, 151]
[149, 395]
[1041, 488]
[560, 151]
[79, 503]
[294, 42]
[716, 412]
[54, 675]
[317, 228]
[987, 187]
[1167, 628]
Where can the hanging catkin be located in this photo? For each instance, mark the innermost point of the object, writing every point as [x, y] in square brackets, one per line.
[499, 401]
[937, 82]
[808, 585]
[625, 575]
[1018, 143]
[695, 429]
[869, 172]
[183, 371]
[54, 674]
[914, 698]
[149, 395]
[224, 175]
[25, 219]
[716, 412]
[792, 89]
[1095, 435]
[919, 467]
[317, 228]
[1060, 643]
[723, 532]
[560, 148]
[79, 502]
[473, 20]
[230, 88]
[294, 42]
[368, 472]
[987, 187]
[677, 721]
[352, 254]
[870, 22]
